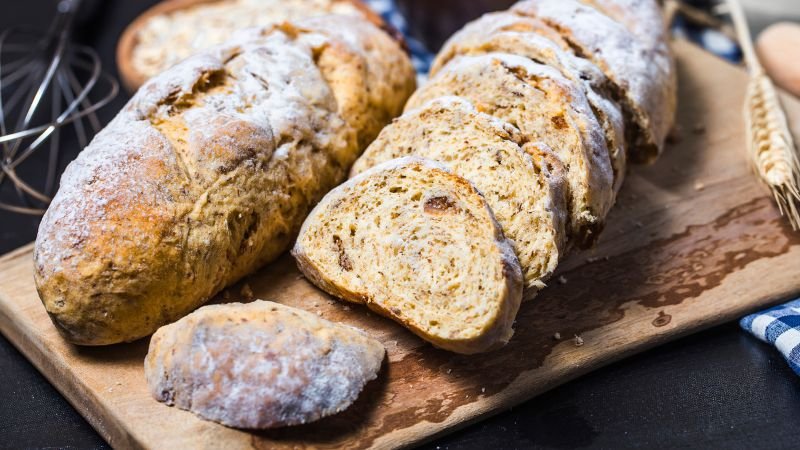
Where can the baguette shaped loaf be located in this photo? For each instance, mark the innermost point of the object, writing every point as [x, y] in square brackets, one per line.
[418, 244]
[643, 75]
[491, 33]
[524, 184]
[260, 365]
[205, 175]
[546, 107]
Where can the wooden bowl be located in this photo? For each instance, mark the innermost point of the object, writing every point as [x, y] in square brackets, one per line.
[133, 79]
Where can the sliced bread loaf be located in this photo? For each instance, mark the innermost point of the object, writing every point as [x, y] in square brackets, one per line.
[526, 191]
[643, 75]
[489, 34]
[546, 107]
[418, 244]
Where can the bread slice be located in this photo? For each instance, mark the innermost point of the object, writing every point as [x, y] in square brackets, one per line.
[643, 75]
[545, 107]
[493, 33]
[418, 244]
[260, 365]
[526, 191]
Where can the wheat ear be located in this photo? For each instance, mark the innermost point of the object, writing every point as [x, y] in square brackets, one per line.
[770, 144]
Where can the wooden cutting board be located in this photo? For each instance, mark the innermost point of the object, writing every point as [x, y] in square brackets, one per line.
[693, 241]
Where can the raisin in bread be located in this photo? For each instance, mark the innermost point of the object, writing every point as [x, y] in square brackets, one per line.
[525, 189]
[418, 244]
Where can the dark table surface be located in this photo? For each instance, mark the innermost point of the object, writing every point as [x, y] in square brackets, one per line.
[718, 388]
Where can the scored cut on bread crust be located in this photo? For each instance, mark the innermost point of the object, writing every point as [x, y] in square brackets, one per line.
[418, 244]
[526, 191]
[504, 32]
[260, 365]
[643, 75]
[547, 107]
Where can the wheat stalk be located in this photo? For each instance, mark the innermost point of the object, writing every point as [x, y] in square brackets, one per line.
[770, 144]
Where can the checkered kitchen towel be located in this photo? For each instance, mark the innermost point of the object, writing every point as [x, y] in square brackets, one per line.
[779, 326]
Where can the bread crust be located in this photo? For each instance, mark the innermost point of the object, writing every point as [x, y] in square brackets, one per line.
[203, 177]
[260, 365]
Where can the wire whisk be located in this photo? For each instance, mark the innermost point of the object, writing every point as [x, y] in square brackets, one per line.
[37, 70]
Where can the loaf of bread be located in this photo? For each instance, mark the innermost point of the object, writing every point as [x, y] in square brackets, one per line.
[418, 244]
[176, 29]
[523, 183]
[592, 81]
[209, 171]
[260, 365]
[546, 107]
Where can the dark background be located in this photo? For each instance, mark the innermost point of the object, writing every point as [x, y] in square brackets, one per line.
[719, 388]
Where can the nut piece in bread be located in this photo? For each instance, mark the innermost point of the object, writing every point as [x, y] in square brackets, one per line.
[526, 191]
[206, 175]
[546, 107]
[418, 244]
[260, 365]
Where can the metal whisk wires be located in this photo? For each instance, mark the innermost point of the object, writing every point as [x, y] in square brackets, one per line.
[37, 70]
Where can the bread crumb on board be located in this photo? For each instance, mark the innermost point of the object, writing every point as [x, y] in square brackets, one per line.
[247, 291]
[578, 341]
[557, 336]
[562, 279]
[699, 186]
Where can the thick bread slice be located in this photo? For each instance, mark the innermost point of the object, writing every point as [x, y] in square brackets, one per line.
[526, 192]
[644, 75]
[545, 107]
[203, 177]
[260, 365]
[418, 244]
[474, 39]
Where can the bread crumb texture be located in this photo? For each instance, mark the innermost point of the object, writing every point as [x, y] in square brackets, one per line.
[393, 238]
[260, 365]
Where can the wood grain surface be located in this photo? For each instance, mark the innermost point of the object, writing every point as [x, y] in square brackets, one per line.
[693, 241]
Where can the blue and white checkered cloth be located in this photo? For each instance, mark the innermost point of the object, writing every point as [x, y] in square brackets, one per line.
[779, 326]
